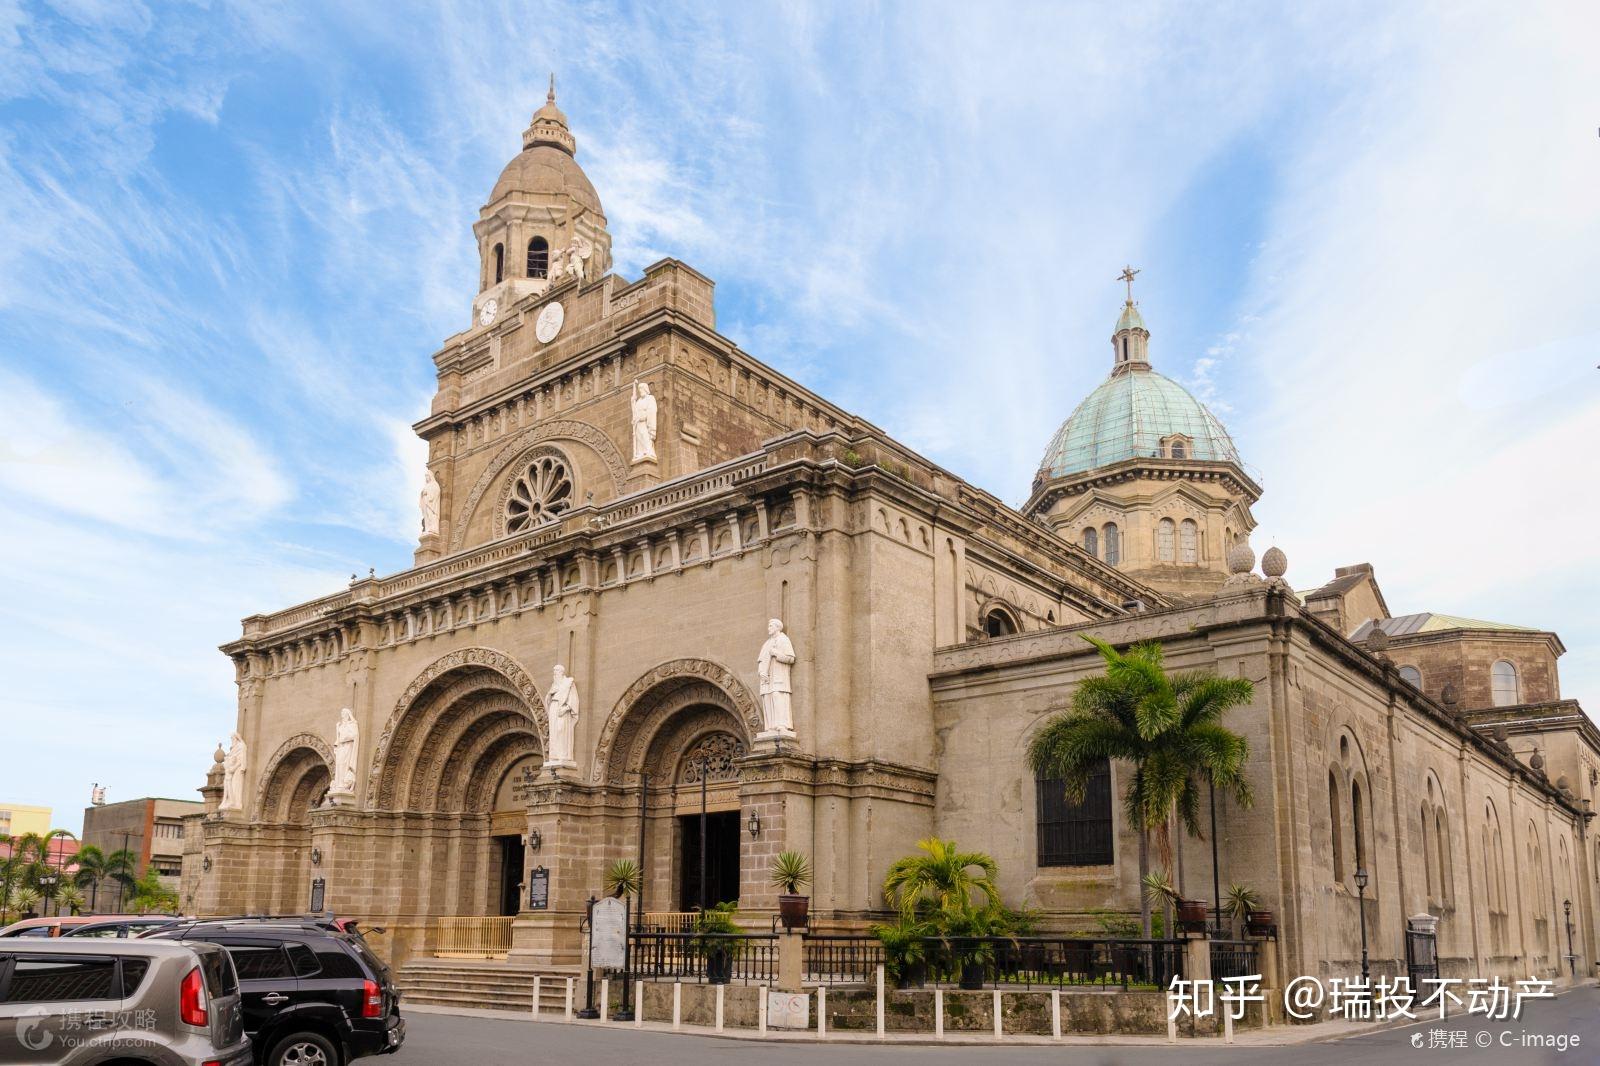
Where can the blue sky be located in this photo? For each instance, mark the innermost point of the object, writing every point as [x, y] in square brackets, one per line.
[231, 236]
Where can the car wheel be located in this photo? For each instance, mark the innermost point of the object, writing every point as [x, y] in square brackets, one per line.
[303, 1049]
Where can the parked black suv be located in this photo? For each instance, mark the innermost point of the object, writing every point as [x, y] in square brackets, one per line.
[313, 995]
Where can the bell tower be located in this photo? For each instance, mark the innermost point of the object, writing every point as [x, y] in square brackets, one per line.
[543, 225]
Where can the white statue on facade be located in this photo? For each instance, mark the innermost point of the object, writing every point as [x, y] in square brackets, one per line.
[233, 765]
[562, 706]
[570, 262]
[430, 502]
[346, 739]
[644, 423]
[774, 667]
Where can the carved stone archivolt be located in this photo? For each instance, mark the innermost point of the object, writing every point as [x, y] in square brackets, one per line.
[295, 768]
[718, 753]
[523, 446]
[454, 689]
[655, 697]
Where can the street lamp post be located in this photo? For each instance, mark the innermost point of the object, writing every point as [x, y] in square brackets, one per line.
[47, 882]
[1572, 956]
[1361, 901]
[1216, 876]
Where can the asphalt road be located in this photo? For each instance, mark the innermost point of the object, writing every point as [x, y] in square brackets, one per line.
[434, 1039]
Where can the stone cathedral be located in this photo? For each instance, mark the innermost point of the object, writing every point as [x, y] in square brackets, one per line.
[655, 573]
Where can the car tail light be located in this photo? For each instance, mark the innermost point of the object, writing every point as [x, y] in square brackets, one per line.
[192, 999]
[371, 1000]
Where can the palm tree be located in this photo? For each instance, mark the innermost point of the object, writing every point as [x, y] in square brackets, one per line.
[943, 880]
[11, 866]
[91, 863]
[1167, 726]
[69, 900]
[122, 866]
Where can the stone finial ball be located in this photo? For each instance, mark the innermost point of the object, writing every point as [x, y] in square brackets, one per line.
[219, 755]
[1537, 761]
[1241, 557]
[1274, 562]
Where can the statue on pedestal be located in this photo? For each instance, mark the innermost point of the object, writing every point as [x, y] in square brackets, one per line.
[774, 667]
[346, 741]
[233, 768]
[644, 423]
[429, 502]
[562, 706]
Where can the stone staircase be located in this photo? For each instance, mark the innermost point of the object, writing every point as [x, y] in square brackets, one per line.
[483, 984]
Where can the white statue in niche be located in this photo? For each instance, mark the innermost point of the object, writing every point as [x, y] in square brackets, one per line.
[774, 667]
[346, 739]
[644, 423]
[562, 706]
[233, 775]
[430, 502]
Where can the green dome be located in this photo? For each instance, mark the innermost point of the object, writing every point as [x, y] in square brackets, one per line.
[1127, 417]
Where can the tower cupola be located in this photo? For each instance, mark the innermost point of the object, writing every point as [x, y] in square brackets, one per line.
[1130, 341]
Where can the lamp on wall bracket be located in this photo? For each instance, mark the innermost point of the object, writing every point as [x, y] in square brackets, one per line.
[205, 864]
[535, 841]
[316, 856]
[754, 825]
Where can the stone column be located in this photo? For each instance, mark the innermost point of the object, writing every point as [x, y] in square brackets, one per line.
[569, 818]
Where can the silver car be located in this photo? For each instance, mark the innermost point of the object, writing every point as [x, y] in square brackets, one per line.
[159, 1002]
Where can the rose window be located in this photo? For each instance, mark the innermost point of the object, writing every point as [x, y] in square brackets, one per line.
[541, 492]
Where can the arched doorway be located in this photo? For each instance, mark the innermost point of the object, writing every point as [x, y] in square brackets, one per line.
[679, 735]
[451, 765]
[294, 784]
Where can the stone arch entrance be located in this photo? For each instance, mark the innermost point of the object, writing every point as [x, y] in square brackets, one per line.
[679, 736]
[447, 767]
[293, 784]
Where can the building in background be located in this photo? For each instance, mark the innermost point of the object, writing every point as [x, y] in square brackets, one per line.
[19, 818]
[151, 828]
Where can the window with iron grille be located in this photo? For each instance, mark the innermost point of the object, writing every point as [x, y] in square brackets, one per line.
[1076, 834]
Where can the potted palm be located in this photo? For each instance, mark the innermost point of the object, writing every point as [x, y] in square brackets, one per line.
[712, 928]
[790, 873]
[905, 953]
[1241, 903]
[623, 879]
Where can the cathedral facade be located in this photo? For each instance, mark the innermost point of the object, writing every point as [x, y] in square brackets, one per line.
[669, 605]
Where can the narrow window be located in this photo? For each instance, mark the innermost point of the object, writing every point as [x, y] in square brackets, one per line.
[1428, 854]
[1113, 539]
[1179, 451]
[499, 263]
[1166, 537]
[1091, 541]
[1075, 834]
[1505, 689]
[1335, 826]
[1189, 541]
[538, 258]
[1124, 349]
[1359, 834]
[1442, 842]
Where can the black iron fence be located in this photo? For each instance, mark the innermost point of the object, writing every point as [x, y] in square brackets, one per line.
[842, 959]
[1235, 958]
[715, 958]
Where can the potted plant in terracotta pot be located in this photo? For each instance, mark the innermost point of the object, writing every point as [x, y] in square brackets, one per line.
[790, 873]
[1242, 903]
[623, 879]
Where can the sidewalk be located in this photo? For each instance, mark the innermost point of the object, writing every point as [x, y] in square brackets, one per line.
[1274, 1036]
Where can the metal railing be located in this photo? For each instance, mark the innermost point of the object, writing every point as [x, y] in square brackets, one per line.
[715, 958]
[668, 921]
[1235, 958]
[473, 937]
[837, 959]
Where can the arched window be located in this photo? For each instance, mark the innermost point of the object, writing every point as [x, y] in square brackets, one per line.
[1179, 451]
[1075, 834]
[998, 623]
[1188, 542]
[1359, 827]
[1336, 826]
[1505, 691]
[1429, 854]
[1411, 676]
[499, 263]
[1166, 540]
[1091, 541]
[1113, 538]
[538, 258]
